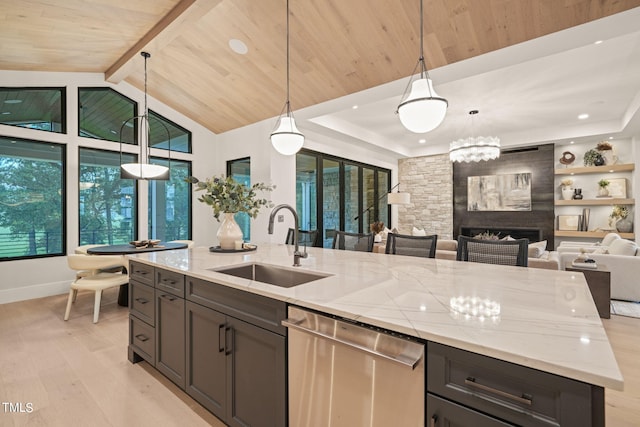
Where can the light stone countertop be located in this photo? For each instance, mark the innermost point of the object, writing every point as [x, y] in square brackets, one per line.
[542, 319]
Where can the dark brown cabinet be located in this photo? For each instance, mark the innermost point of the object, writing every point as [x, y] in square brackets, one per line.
[170, 342]
[235, 369]
[225, 347]
[443, 413]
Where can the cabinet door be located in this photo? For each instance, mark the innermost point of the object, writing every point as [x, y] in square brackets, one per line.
[170, 343]
[206, 358]
[443, 413]
[256, 375]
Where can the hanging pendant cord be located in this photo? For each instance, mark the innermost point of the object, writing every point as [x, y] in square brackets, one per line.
[288, 102]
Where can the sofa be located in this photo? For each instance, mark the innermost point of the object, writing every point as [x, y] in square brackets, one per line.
[622, 259]
[538, 257]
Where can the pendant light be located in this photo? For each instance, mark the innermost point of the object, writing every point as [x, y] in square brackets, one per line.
[143, 169]
[286, 138]
[422, 110]
[474, 148]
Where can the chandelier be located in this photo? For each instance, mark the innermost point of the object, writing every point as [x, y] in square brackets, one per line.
[474, 148]
[143, 169]
[286, 138]
[422, 110]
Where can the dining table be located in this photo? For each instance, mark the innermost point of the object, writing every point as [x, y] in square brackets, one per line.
[129, 249]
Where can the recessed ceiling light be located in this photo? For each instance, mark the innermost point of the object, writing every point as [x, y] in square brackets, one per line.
[572, 142]
[422, 140]
[597, 42]
[238, 46]
[610, 137]
[583, 116]
[355, 107]
[12, 101]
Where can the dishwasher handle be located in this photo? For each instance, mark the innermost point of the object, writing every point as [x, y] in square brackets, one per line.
[407, 362]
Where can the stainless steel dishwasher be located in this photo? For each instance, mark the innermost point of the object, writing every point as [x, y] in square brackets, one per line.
[346, 374]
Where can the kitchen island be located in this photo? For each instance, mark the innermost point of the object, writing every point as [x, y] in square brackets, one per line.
[540, 319]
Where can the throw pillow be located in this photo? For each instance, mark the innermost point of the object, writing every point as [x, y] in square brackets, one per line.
[623, 247]
[609, 238]
[418, 232]
[507, 237]
[600, 251]
[537, 249]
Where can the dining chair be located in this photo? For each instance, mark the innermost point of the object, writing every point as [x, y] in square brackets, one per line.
[305, 237]
[503, 252]
[362, 242]
[91, 276]
[403, 244]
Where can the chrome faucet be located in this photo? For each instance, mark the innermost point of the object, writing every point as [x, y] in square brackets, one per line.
[296, 251]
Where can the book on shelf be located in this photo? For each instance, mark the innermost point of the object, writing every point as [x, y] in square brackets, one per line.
[580, 263]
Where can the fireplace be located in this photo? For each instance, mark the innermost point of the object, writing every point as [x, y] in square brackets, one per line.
[533, 234]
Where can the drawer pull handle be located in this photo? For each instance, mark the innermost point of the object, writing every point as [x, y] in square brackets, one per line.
[141, 272]
[142, 337]
[169, 297]
[221, 335]
[142, 300]
[471, 382]
[434, 420]
[171, 282]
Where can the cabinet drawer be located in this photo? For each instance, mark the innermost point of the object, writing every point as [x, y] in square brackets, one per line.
[443, 413]
[512, 392]
[256, 309]
[170, 281]
[141, 272]
[142, 301]
[142, 339]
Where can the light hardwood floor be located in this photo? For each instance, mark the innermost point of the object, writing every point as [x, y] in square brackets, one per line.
[76, 373]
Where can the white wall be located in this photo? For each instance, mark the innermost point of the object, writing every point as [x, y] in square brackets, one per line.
[33, 278]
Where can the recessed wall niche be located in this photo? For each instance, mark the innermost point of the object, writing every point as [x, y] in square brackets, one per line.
[539, 162]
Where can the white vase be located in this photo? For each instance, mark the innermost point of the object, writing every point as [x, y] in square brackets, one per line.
[229, 232]
[567, 193]
[603, 192]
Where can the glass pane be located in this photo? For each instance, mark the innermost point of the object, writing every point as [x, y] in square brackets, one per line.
[240, 170]
[330, 200]
[351, 197]
[103, 111]
[306, 191]
[180, 137]
[368, 200]
[170, 203]
[107, 203]
[31, 199]
[383, 189]
[34, 108]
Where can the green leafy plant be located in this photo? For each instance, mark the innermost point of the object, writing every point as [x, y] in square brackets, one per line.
[603, 183]
[228, 195]
[591, 156]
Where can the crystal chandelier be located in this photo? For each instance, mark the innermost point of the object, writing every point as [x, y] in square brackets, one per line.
[474, 148]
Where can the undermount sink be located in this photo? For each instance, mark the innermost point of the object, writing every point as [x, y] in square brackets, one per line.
[271, 274]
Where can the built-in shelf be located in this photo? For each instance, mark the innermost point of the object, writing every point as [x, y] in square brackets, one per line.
[591, 234]
[627, 167]
[595, 202]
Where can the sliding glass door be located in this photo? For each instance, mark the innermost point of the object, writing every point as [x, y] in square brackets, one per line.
[339, 194]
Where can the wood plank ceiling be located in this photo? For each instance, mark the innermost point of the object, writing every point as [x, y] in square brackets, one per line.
[337, 47]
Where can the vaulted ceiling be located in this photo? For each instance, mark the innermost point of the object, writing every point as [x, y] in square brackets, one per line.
[338, 47]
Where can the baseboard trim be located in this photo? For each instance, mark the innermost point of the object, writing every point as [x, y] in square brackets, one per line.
[35, 291]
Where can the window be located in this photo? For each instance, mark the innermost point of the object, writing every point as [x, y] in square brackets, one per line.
[32, 195]
[102, 112]
[170, 203]
[180, 137]
[352, 195]
[34, 108]
[107, 203]
[240, 170]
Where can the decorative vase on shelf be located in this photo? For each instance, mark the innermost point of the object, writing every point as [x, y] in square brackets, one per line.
[229, 231]
[625, 225]
[603, 192]
[577, 194]
[567, 192]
